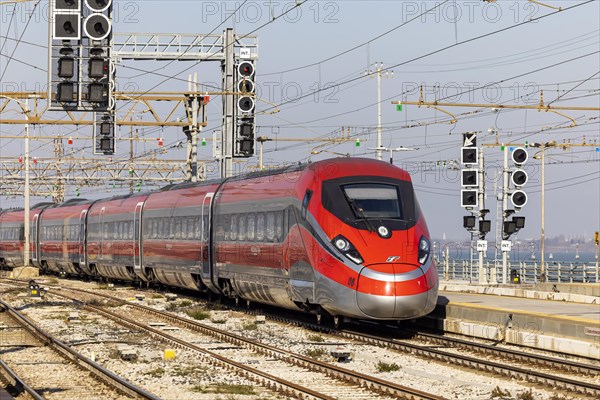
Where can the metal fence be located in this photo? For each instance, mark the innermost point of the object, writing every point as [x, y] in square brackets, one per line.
[527, 272]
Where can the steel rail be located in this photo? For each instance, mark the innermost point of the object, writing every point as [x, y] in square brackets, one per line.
[538, 359]
[346, 375]
[15, 381]
[96, 369]
[480, 364]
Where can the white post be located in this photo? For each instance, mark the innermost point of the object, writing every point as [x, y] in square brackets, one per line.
[543, 238]
[26, 217]
[379, 145]
[504, 208]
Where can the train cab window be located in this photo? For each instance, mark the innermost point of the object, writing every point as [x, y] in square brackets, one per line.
[372, 200]
[270, 226]
[260, 227]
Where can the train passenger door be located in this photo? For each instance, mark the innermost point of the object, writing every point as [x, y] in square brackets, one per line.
[34, 238]
[82, 244]
[205, 257]
[137, 238]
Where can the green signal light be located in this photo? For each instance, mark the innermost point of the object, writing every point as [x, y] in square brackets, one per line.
[399, 107]
[357, 143]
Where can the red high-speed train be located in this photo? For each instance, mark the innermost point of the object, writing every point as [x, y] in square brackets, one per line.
[341, 237]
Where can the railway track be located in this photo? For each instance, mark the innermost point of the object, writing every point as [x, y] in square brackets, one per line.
[15, 383]
[510, 354]
[431, 350]
[44, 367]
[331, 381]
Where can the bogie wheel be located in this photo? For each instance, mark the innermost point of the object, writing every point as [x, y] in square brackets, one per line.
[338, 322]
[320, 318]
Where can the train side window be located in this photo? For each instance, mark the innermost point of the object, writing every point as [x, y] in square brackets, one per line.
[197, 227]
[160, 228]
[242, 228]
[270, 226]
[251, 227]
[279, 226]
[260, 227]
[177, 232]
[233, 230]
[130, 223]
[226, 222]
[192, 227]
[305, 202]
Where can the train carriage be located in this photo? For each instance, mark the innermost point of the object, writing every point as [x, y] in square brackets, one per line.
[113, 245]
[175, 238]
[12, 237]
[62, 237]
[342, 236]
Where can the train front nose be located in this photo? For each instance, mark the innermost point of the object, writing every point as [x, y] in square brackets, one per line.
[395, 291]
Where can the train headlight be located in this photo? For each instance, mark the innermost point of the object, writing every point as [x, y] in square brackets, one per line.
[341, 243]
[347, 249]
[384, 232]
[424, 248]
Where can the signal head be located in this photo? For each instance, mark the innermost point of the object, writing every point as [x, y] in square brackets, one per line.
[519, 156]
[519, 222]
[485, 226]
[519, 178]
[469, 177]
[246, 104]
[66, 27]
[469, 155]
[468, 198]
[508, 228]
[97, 27]
[67, 5]
[518, 198]
[98, 5]
[469, 221]
[246, 69]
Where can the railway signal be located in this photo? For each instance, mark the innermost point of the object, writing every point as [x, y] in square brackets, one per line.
[105, 135]
[81, 69]
[245, 122]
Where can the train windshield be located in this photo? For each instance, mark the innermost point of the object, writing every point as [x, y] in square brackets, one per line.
[374, 200]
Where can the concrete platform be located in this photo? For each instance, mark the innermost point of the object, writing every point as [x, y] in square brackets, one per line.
[572, 328]
[572, 292]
